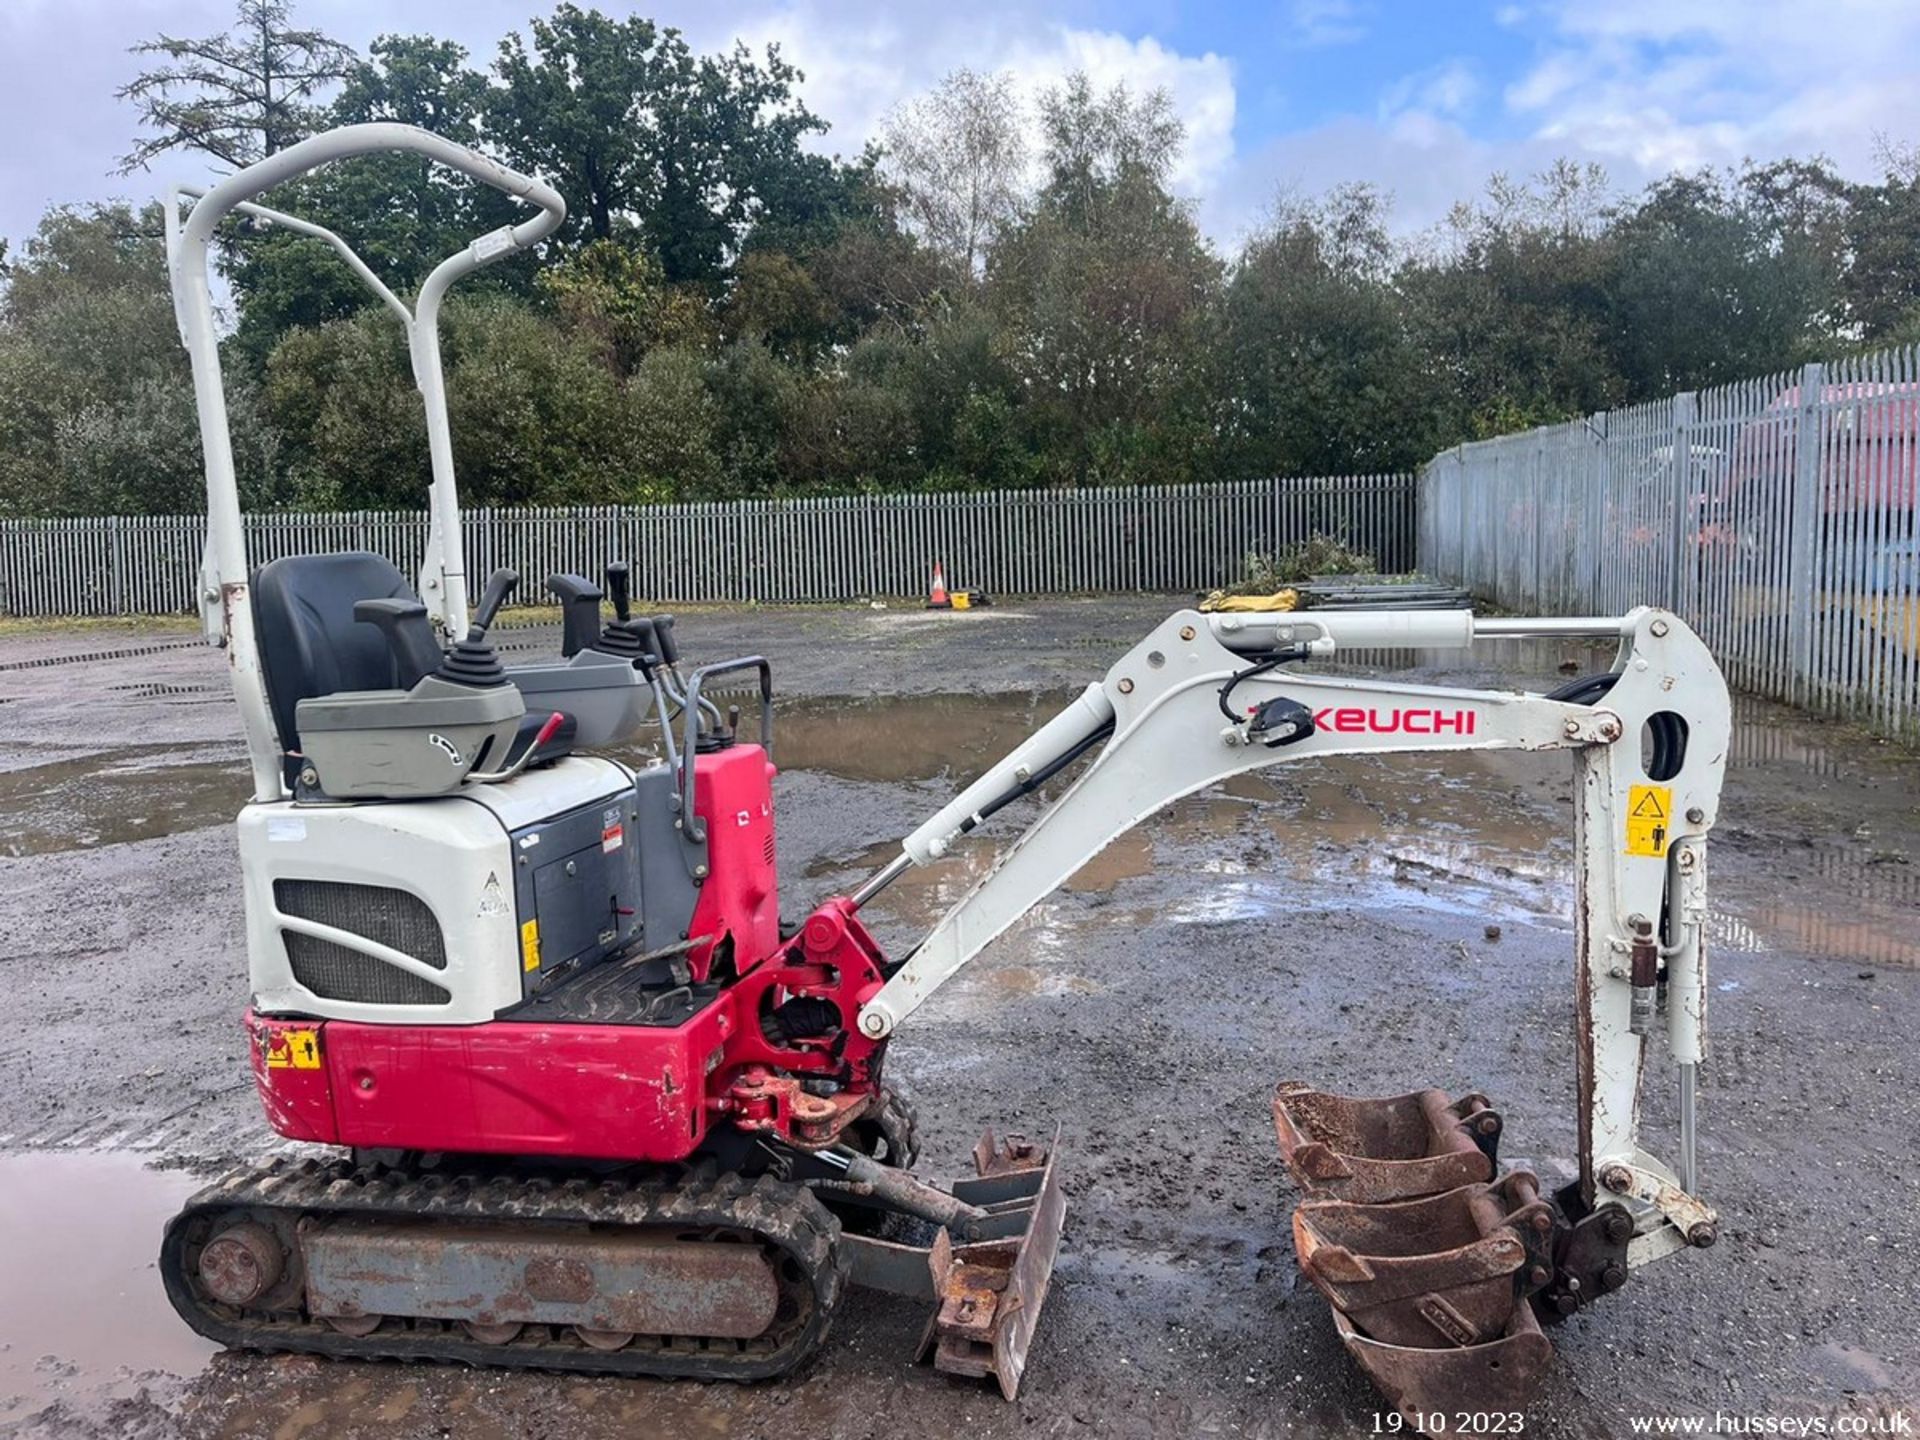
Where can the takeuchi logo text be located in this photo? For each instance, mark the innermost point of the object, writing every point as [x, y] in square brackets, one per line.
[1352, 720]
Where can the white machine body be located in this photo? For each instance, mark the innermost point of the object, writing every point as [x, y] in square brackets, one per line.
[456, 857]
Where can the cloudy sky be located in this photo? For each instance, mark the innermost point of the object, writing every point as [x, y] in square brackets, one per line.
[1422, 97]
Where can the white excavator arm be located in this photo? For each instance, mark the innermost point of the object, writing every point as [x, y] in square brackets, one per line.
[1649, 745]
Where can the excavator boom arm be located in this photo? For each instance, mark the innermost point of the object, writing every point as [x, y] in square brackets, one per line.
[1649, 745]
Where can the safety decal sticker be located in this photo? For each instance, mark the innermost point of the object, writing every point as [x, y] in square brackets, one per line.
[1649, 819]
[493, 900]
[612, 833]
[530, 946]
[293, 1049]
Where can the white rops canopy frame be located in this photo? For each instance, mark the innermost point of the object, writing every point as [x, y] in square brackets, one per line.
[224, 573]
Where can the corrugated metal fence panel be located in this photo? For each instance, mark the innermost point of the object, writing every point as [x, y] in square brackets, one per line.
[1037, 542]
[1778, 515]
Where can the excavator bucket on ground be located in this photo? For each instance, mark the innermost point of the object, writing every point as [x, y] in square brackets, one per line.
[1426, 1259]
[1370, 1151]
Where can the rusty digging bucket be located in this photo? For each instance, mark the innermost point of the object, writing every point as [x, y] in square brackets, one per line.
[1427, 1260]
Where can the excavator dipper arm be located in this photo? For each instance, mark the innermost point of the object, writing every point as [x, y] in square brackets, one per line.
[1206, 697]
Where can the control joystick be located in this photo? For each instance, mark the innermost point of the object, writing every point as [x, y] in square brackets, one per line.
[624, 635]
[472, 661]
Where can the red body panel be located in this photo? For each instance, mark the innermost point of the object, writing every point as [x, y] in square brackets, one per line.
[592, 1091]
[733, 793]
[289, 1071]
[620, 1092]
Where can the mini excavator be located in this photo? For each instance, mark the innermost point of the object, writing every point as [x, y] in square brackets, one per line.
[591, 1105]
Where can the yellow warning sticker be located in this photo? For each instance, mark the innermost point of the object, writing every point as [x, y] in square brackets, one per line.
[294, 1050]
[530, 945]
[1649, 819]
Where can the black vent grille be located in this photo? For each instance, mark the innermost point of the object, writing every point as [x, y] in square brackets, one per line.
[395, 918]
[334, 972]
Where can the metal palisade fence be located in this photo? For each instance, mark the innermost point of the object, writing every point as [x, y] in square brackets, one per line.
[1029, 542]
[1776, 515]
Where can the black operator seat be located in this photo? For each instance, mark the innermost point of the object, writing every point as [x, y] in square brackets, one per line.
[311, 645]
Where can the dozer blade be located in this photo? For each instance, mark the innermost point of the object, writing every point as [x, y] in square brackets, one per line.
[1426, 1259]
[1397, 1148]
[987, 1291]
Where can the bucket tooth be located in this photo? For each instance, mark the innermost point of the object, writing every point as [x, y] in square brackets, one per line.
[1395, 1148]
[1499, 1376]
[1443, 1270]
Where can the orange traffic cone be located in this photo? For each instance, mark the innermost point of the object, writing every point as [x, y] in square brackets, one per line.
[937, 597]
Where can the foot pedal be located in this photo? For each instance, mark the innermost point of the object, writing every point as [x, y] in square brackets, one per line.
[1426, 1259]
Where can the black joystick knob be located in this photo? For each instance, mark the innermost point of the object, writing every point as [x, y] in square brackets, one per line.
[620, 587]
[500, 585]
[472, 661]
[669, 650]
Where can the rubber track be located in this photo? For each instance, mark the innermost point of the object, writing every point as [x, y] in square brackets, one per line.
[784, 1217]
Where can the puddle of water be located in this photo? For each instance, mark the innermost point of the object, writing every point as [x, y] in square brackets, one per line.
[82, 1312]
[1022, 982]
[112, 798]
[900, 739]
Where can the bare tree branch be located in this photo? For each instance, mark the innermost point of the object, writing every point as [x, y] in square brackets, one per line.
[235, 96]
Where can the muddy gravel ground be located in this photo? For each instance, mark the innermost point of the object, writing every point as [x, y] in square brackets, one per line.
[1327, 921]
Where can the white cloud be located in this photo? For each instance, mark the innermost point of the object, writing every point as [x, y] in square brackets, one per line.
[1449, 88]
[1670, 84]
[1328, 22]
[860, 67]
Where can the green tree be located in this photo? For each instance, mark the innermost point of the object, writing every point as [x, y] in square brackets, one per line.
[237, 96]
[536, 416]
[620, 299]
[1104, 293]
[404, 214]
[777, 303]
[675, 426]
[1510, 307]
[1880, 283]
[1709, 286]
[957, 157]
[96, 404]
[650, 140]
[1315, 355]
